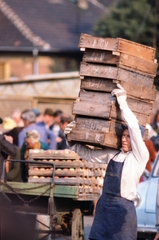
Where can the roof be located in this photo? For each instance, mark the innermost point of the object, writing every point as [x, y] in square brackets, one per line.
[50, 25]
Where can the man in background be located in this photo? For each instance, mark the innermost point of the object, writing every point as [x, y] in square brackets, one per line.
[46, 135]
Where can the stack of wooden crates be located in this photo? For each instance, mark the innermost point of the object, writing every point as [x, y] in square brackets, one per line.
[106, 62]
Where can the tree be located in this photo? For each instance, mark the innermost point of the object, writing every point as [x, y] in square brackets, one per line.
[133, 20]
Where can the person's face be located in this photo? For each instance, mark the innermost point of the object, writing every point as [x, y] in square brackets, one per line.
[63, 125]
[47, 119]
[57, 119]
[26, 123]
[125, 140]
[29, 144]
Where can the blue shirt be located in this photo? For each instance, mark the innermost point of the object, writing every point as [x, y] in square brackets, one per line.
[45, 135]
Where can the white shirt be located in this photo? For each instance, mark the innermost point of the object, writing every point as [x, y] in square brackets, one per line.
[135, 160]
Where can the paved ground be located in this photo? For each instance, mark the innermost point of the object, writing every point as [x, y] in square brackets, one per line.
[87, 225]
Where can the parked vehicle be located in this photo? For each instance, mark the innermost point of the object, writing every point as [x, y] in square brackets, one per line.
[145, 203]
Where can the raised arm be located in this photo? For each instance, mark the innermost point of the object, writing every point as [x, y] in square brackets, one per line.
[139, 148]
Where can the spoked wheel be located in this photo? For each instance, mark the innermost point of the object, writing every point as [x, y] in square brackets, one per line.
[77, 225]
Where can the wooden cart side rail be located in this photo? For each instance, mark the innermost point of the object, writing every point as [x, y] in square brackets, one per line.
[38, 189]
[58, 190]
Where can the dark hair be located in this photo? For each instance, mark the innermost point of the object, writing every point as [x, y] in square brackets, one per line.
[65, 118]
[48, 111]
[1, 120]
[57, 113]
[142, 129]
[124, 126]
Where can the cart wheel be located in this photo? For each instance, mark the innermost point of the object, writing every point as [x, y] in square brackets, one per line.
[77, 225]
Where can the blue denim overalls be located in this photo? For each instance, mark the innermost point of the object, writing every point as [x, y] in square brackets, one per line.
[115, 217]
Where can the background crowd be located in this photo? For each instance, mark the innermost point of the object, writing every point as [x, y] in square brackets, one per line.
[32, 129]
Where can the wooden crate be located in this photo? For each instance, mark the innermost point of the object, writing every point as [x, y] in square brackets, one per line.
[104, 105]
[121, 60]
[68, 169]
[98, 132]
[118, 45]
[107, 85]
[115, 73]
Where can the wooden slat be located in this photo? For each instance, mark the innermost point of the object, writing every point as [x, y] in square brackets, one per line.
[107, 85]
[98, 84]
[59, 164]
[52, 154]
[115, 73]
[138, 65]
[100, 56]
[118, 44]
[97, 125]
[122, 60]
[136, 49]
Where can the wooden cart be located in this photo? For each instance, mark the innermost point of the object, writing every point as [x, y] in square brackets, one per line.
[63, 195]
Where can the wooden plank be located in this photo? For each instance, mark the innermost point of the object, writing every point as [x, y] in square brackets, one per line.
[97, 125]
[97, 84]
[122, 60]
[138, 65]
[60, 164]
[91, 109]
[107, 85]
[136, 49]
[52, 154]
[115, 73]
[118, 44]
[100, 56]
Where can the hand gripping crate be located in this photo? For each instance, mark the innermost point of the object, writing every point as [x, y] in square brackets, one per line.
[70, 170]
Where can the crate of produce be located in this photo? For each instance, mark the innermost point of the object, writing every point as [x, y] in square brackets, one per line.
[69, 169]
